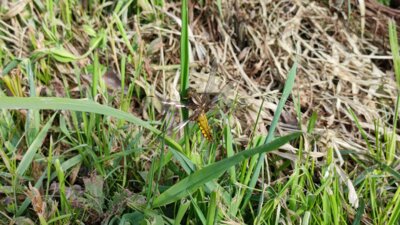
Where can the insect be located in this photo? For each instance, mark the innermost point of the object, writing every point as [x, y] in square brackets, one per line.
[200, 104]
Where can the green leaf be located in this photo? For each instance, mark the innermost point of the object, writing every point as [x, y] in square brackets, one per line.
[82, 105]
[286, 91]
[312, 122]
[62, 55]
[132, 218]
[185, 69]
[89, 30]
[181, 212]
[191, 183]
[29, 155]
[14, 63]
[58, 53]
[360, 212]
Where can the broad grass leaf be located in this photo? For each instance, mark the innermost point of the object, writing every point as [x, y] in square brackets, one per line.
[191, 183]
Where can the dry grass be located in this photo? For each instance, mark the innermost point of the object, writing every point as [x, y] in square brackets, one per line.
[255, 45]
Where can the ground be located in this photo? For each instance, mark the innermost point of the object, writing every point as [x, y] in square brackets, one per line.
[90, 133]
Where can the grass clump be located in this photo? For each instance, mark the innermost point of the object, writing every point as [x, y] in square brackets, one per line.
[306, 135]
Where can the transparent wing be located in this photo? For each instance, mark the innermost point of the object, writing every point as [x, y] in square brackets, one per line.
[181, 125]
[210, 81]
[175, 104]
[170, 118]
[225, 92]
[169, 112]
[172, 127]
[203, 102]
[168, 104]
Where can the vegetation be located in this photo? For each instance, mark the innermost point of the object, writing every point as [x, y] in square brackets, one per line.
[384, 2]
[304, 124]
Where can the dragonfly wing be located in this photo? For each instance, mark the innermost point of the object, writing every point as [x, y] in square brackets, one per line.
[210, 81]
[193, 117]
[175, 104]
[181, 125]
[170, 125]
[226, 91]
[170, 106]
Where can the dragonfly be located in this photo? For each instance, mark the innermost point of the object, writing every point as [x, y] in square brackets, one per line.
[200, 104]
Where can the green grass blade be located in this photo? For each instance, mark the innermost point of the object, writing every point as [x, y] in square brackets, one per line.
[394, 45]
[190, 184]
[95, 75]
[184, 50]
[312, 122]
[212, 211]
[185, 69]
[360, 129]
[360, 212]
[59, 54]
[32, 124]
[181, 212]
[82, 105]
[229, 149]
[11, 65]
[33, 148]
[395, 216]
[286, 92]
[61, 184]
[198, 211]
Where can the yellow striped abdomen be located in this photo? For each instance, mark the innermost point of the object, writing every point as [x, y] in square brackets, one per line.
[204, 127]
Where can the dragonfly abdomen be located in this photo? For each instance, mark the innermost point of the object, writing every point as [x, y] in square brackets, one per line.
[204, 126]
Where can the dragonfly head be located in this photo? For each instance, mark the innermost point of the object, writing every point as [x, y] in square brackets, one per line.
[193, 98]
[191, 92]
